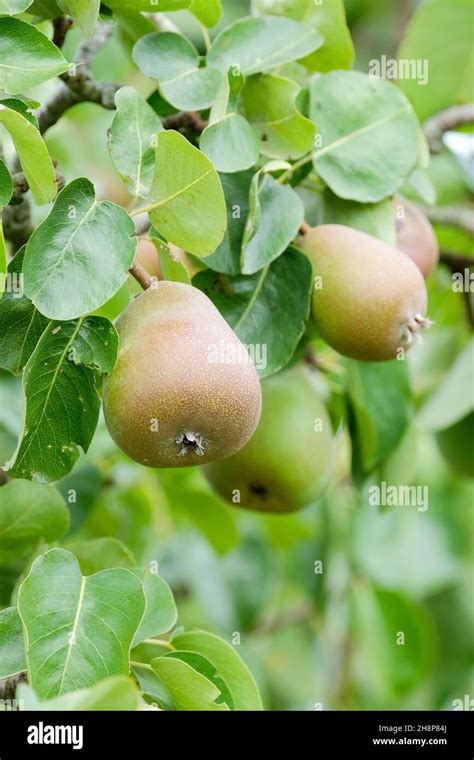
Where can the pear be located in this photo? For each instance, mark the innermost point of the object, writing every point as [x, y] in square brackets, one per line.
[456, 443]
[184, 390]
[287, 463]
[369, 299]
[415, 236]
[147, 256]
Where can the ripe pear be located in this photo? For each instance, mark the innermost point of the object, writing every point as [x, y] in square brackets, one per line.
[369, 300]
[415, 236]
[184, 390]
[456, 443]
[287, 463]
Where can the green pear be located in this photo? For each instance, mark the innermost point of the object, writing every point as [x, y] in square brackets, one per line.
[415, 236]
[287, 463]
[369, 299]
[184, 390]
[456, 443]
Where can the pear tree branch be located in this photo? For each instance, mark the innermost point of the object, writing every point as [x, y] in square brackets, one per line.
[453, 216]
[451, 118]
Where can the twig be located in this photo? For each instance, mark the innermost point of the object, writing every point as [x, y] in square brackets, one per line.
[21, 186]
[453, 216]
[79, 86]
[141, 276]
[61, 27]
[456, 260]
[17, 226]
[451, 118]
[185, 120]
[8, 686]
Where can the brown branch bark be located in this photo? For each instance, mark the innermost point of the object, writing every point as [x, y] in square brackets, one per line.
[451, 118]
[141, 276]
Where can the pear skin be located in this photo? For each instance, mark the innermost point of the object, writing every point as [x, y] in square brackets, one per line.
[369, 299]
[287, 463]
[415, 236]
[172, 400]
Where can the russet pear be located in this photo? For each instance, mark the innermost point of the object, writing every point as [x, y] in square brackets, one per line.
[174, 399]
[287, 463]
[369, 299]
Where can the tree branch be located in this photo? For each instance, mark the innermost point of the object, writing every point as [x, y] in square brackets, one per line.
[453, 216]
[79, 85]
[61, 26]
[451, 118]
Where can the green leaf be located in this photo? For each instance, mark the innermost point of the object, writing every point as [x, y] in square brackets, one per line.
[329, 19]
[160, 611]
[6, 184]
[260, 43]
[21, 324]
[149, 5]
[428, 562]
[276, 214]
[380, 398]
[269, 102]
[32, 57]
[440, 33]
[84, 12]
[29, 513]
[208, 670]
[3, 258]
[61, 407]
[375, 219]
[12, 7]
[45, 8]
[209, 514]
[267, 310]
[114, 693]
[100, 554]
[189, 689]
[370, 138]
[174, 62]
[171, 267]
[418, 187]
[236, 190]
[186, 200]
[12, 647]
[453, 398]
[78, 629]
[132, 140]
[231, 144]
[389, 667]
[83, 244]
[208, 12]
[229, 665]
[32, 152]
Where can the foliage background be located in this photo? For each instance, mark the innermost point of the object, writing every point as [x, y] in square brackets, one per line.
[308, 638]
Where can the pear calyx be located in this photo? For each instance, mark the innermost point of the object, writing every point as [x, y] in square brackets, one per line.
[191, 442]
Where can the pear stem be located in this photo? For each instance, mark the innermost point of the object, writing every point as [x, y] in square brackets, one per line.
[305, 228]
[141, 276]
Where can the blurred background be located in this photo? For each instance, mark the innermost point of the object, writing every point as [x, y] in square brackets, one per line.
[311, 638]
